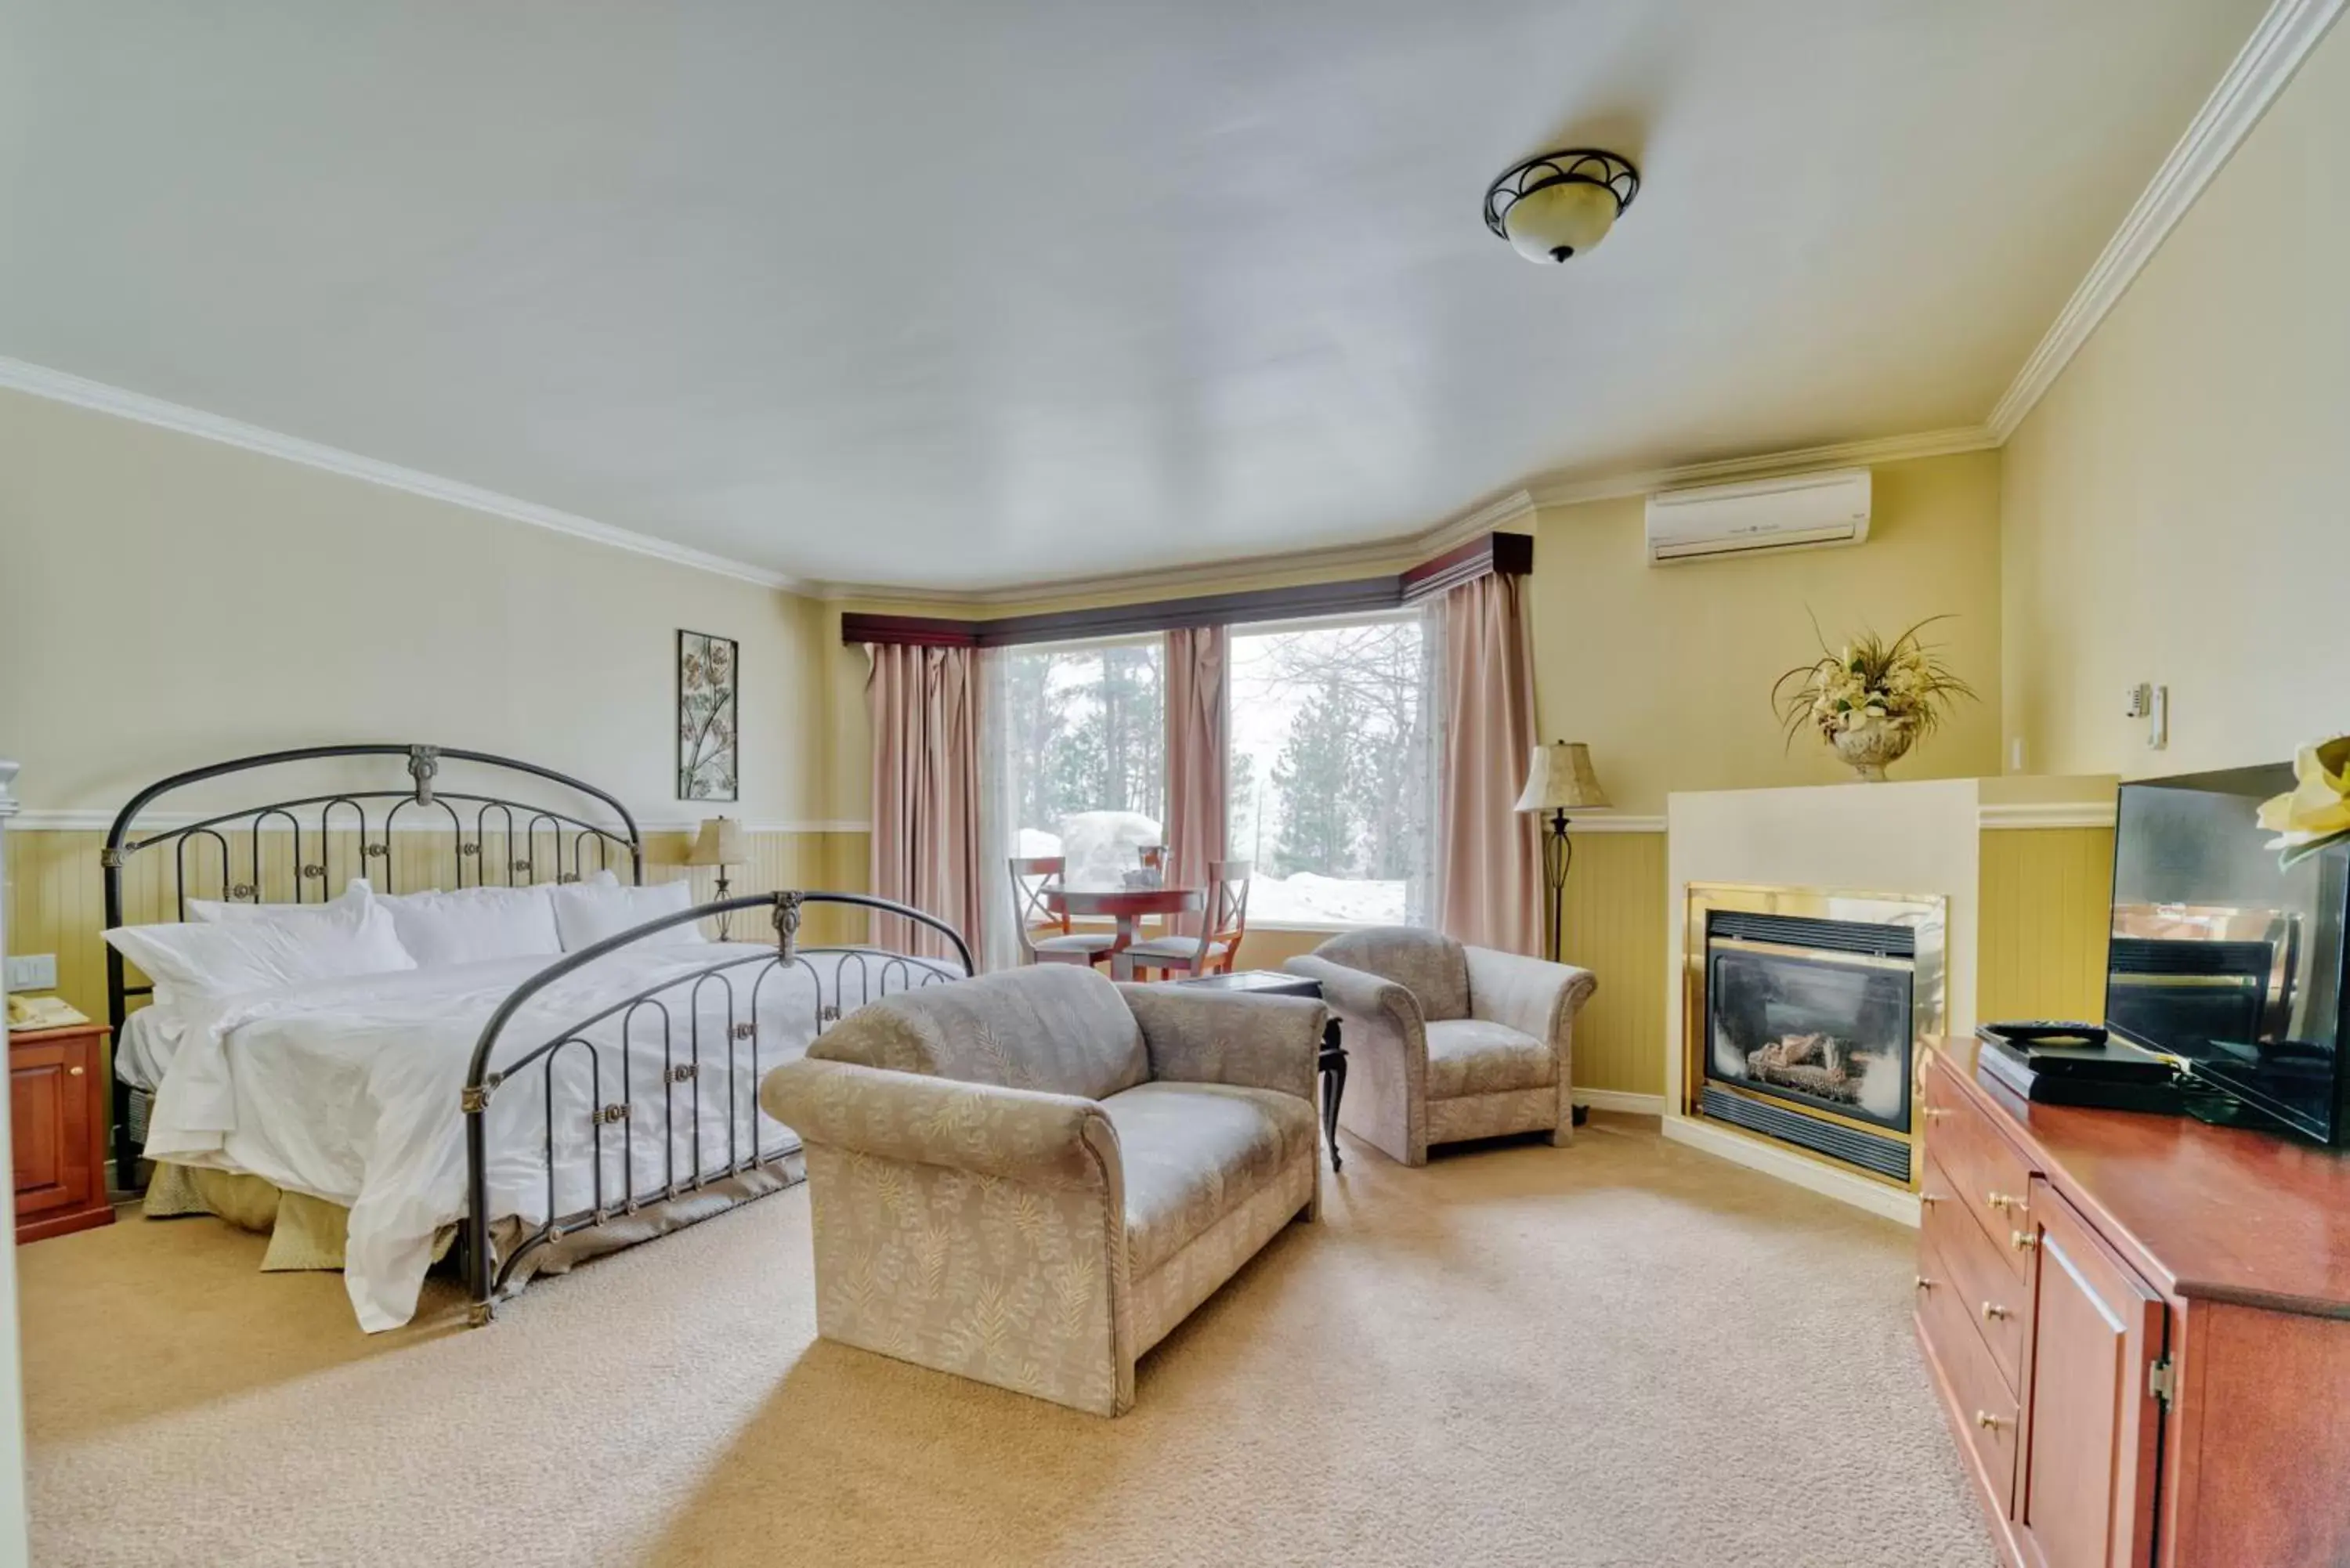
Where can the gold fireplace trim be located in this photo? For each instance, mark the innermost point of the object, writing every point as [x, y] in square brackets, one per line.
[1927, 914]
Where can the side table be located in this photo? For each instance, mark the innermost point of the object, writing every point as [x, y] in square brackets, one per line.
[1332, 1059]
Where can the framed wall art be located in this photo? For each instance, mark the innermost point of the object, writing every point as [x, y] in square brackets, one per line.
[707, 752]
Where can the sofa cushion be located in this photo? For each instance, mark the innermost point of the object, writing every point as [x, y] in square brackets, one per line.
[1471, 1056]
[1055, 1027]
[1427, 964]
[1192, 1153]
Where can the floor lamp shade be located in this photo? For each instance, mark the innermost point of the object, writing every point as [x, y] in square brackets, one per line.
[1559, 778]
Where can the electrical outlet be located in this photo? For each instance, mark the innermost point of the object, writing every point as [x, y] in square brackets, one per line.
[33, 971]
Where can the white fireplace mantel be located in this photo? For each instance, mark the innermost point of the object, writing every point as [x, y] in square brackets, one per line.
[1902, 839]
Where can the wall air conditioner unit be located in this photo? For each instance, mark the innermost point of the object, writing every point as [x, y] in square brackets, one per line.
[1805, 510]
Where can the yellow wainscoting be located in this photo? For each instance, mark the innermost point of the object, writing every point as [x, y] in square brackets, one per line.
[57, 896]
[1615, 928]
[2047, 898]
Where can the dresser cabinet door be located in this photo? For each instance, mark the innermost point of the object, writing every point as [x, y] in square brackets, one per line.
[2086, 1493]
[48, 1125]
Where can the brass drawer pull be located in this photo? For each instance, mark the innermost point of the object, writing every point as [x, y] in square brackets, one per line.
[1992, 1311]
[2002, 1200]
[1936, 1113]
[73, 1072]
[1924, 1283]
[2021, 1242]
[1988, 1422]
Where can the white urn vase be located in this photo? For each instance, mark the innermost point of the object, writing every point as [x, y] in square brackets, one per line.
[1872, 743]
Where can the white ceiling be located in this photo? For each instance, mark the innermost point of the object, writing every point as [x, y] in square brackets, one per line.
[946, 294]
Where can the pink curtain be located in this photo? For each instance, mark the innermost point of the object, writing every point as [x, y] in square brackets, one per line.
[924, 704]
[1199, 747]
[1490, 856]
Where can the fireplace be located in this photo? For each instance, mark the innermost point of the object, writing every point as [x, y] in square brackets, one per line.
[1804, 1013]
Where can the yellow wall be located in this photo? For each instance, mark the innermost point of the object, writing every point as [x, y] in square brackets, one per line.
[2175, 507]
[1666, 671]
[168, 601]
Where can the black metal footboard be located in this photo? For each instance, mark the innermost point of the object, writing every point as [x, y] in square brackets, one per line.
[640, 1068]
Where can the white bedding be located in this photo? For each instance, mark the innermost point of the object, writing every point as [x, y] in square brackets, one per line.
[348, 1090]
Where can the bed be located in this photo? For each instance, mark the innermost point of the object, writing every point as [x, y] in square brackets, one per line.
[489, 1104]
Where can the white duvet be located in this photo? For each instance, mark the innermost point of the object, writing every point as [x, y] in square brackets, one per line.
[349, 1091]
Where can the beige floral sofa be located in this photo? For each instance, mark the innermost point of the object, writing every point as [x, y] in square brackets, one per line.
[1028, 1178]
[1447, 1042]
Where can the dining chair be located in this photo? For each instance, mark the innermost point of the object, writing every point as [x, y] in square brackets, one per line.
[1045, 937]
[1210, 952]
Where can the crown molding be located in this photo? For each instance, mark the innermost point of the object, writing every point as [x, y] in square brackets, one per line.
[57, 385]
[1767, 465]
[2260, 70]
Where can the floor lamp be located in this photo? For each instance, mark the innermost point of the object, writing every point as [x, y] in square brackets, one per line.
[1558, 780]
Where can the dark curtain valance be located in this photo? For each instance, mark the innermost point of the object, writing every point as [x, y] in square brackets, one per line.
[1510, 554]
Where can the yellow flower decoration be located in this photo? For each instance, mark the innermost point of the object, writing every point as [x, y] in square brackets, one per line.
[2316, 812]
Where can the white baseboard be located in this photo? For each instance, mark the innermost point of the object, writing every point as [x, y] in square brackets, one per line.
[1760, 1154]
[1620, 1100]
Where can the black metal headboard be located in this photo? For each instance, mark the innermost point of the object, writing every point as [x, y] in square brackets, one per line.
[349, 832]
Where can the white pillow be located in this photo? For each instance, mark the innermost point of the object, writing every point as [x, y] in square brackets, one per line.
[215, 911]
[586, 913]
[332, 941]
[474, 924]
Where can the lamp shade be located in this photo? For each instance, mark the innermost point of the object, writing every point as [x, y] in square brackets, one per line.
[1559, 778]
[720, 843]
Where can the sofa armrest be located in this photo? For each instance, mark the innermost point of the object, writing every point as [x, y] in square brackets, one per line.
[1201, 1036]
[1533, 996]
[1024, 1135]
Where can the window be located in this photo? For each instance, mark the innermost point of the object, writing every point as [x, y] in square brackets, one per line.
[1081, 745]
[1331, 780]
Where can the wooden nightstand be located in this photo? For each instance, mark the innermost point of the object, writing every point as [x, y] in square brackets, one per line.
[58, 1108]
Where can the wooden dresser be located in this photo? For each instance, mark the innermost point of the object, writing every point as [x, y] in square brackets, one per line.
[58, 1108]
[2139, 1327]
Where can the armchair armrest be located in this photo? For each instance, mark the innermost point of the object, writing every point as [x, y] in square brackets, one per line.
[1531, 995]
[1220, 1037]
[1362, 994]
[1025, 1135]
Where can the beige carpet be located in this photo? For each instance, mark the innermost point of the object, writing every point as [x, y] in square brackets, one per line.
[1621, 1353]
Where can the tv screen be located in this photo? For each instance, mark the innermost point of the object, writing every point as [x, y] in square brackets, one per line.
[2223, 959]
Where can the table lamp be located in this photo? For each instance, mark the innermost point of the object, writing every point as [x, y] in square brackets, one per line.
[1559, 778]
[719, 844]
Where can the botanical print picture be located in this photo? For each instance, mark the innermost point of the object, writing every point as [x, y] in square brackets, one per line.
[706, 752]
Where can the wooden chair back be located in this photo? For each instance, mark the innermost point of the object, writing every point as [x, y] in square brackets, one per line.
[1227, 915]
[1032, 917]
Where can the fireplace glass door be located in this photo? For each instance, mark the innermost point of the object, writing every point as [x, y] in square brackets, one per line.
[1816, 1028]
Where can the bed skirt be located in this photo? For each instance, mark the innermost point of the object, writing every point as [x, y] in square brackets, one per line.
[306, 1232]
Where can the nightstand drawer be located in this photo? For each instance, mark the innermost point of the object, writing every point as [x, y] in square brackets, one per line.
[58, 1110]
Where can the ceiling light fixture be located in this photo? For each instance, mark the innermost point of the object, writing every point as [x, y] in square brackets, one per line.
[1560, 204]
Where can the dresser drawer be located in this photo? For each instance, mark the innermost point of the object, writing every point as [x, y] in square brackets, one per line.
[1970, 1266]
[1982, 1405]
[1988, 1175]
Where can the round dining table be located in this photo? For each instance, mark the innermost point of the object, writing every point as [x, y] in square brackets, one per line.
[1127, 905]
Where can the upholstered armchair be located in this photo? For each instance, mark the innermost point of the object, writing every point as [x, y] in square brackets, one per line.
[1446, 1042]
[1030, 1177]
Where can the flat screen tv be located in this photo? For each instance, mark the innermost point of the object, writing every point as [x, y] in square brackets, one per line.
[2224, 960]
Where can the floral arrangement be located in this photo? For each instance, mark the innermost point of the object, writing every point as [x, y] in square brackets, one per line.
[1901, 682]
[2316, 812]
